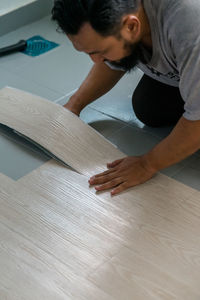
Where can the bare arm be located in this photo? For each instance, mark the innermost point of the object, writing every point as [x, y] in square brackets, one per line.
[99, 81]
[183, 141]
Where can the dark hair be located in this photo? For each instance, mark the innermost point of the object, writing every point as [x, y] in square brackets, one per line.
[103, 15]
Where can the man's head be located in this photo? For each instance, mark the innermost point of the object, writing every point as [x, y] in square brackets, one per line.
[106, 30]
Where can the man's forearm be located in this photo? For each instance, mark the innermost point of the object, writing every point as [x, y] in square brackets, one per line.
[133, 170]
[183, 141]
[98, 82]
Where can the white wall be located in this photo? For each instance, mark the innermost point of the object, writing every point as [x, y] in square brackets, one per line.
[6, 6]
[17, 13]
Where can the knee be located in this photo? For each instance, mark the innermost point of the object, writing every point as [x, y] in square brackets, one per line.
[143, 112]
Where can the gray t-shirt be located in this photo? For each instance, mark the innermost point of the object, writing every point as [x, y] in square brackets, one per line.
[175, 29]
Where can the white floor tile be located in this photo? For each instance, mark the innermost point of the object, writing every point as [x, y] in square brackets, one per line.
[176, 168]
[133, 141]
[9, 79]
[118, 102]
[190, 174]
[62, 69]
[18, 158]
[101, 122]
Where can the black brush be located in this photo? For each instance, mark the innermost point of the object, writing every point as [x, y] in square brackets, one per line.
[20, 46]
[33, 47]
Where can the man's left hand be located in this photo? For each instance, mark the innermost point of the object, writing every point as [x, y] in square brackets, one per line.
[122, 174]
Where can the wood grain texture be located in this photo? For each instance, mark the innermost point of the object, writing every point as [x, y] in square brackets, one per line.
[130, 276]
[156, 225]
[58, 130]
[42, 254]
[59, 240]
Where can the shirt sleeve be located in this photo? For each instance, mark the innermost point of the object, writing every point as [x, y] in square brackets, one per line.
[185, 42]
[189, 68]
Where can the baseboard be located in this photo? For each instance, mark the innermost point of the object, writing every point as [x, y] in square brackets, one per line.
[24, 15]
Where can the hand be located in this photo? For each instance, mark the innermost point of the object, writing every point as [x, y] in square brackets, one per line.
[122, 174]
[71, 108]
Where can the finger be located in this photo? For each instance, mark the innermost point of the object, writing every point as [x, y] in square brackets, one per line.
[102, 179]
[96, 177]
[114, 163]
[109, 185]
[119, 189]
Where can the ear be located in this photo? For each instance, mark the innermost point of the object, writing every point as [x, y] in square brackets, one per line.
[131, 28]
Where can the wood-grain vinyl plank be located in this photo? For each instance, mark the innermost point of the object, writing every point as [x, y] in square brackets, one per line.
[58, 130]
[157, 224]
[42, 256]
[129, 276]
[60, 240]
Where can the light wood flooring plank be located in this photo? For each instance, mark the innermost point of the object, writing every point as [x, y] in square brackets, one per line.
[57, 234]
[160, 223]
[28, 272]
[71, 233]
[82, 236]
[128, 276]
[39, 258]
[58, 130]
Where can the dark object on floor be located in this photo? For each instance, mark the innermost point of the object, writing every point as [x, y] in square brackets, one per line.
[20, 46]
[34, 46]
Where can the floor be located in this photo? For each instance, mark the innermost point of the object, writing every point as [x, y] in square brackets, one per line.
[59, 240]
[62, 241]
[55, 76]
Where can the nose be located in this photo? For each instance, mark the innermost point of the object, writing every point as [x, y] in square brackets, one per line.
[97, 58]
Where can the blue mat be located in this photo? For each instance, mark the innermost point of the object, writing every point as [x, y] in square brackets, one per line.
[37, 45]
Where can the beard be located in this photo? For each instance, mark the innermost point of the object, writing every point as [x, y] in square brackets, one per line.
[128, 63]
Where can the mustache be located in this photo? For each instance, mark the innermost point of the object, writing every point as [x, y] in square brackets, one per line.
[129, 63]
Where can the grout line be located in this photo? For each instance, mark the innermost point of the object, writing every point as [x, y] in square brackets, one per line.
[68, 94]
[108, 137]
[127, 124]
[187, 164]
[113, 117]
[132, 125]
[180, 169]
[36, 83]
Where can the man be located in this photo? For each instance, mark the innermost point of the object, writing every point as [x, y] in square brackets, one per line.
[162, 38]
